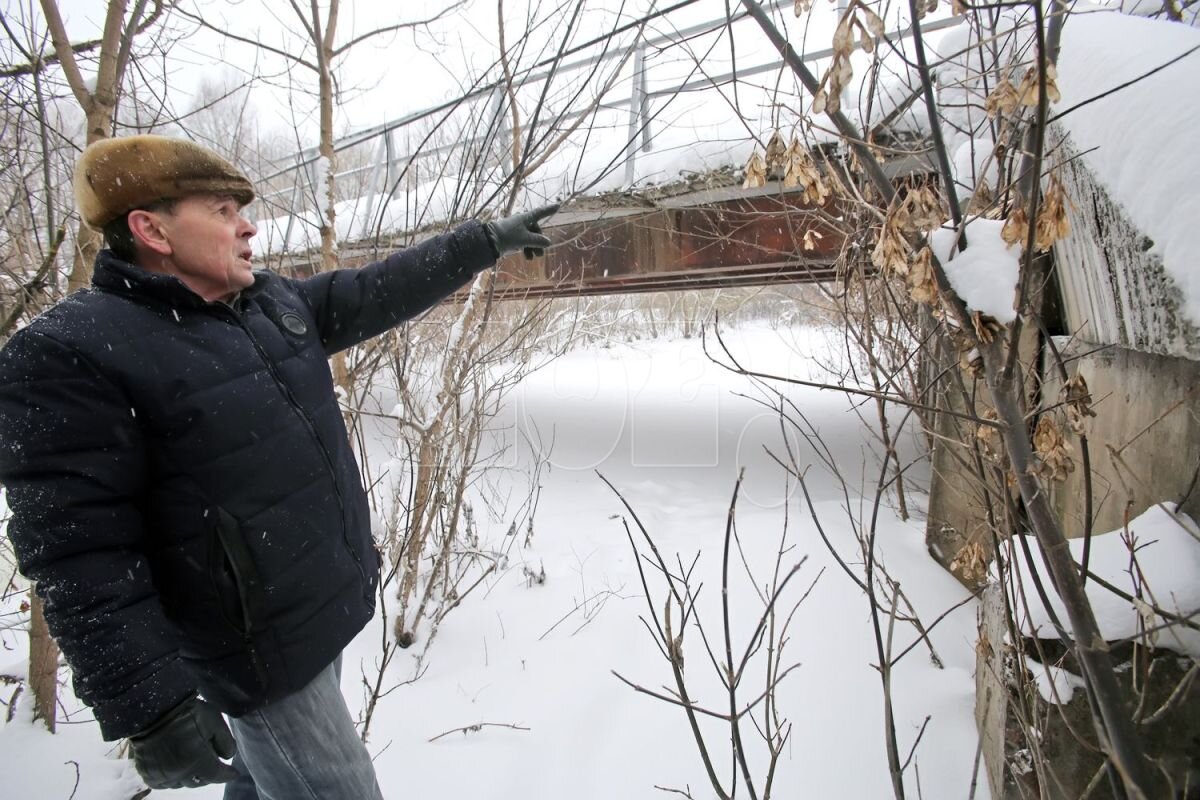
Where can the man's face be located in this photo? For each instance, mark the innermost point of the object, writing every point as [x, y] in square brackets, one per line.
[209, 242]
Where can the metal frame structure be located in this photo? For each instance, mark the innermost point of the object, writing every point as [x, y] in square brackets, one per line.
[385, 169]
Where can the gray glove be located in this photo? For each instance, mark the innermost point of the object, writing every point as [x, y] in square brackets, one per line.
[184, 748]
[520, 232]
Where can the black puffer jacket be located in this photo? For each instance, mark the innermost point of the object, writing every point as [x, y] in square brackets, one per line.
[181, 483]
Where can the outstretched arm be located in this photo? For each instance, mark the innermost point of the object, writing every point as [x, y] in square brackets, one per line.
[353, 305]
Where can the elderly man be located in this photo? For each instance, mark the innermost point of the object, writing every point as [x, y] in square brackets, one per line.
[182, 488]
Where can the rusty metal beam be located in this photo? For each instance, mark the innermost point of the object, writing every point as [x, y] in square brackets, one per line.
[706, 239]
[714, 237]
[762, 275]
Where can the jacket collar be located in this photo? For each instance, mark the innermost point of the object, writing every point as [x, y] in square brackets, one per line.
[116, 275]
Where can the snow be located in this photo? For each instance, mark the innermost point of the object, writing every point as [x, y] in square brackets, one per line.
[971, 163]
[1189, 13]
[70, 763]
[1055, 684]
[1168, 570]
[322, 169]
[985, 273]
[1140, 141]
[670, 430]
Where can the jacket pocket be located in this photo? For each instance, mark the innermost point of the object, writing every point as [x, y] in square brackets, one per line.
[235, 577]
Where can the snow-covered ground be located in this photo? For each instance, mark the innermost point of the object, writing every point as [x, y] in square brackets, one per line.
[670, 431]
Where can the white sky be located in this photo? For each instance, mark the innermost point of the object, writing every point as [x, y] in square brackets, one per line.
[381, 79]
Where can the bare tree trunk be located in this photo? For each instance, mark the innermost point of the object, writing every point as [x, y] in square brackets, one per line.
[99, 103]
[43, 664]
[323, 37]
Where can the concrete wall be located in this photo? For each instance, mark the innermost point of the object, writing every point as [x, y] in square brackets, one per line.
[1140, 355]
[1144, 441]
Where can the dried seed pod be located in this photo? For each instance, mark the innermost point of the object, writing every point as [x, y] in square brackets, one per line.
[921, 286]
[810, 239]
[987, 435]
[1053, 450]
[843, 35]
[1052, 222]
[819, 101]
[986, 327]
[1016, 227]
[776, 163]
[971, 564]
[1078, 399]
[803, 7]
[1028, 90]
[801, 171]
[756, 172]
[891, 251]
[1003, 100]
[925, 209]
[873, 23]
[865, 41]
[828, 97]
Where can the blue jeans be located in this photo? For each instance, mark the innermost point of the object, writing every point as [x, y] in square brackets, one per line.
[303, 747]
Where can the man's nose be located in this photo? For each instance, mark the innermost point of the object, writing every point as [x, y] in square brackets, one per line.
[248, 228]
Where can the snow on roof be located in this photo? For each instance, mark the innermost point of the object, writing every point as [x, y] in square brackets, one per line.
[1140, 141]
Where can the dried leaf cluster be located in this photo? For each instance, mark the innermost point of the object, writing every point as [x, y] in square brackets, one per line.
[1078, 399]
[792, 163]
[986, 327]
[1028, 90]
[920, 211]
[969, 358]
[891, 251]
[1003, 100]
[1016, 226]
[1054, 452]
[988, 436]
[860, 20]
[800, 171]
[925, 7]
[775, 154]
[922, 288]
[923, 209]
[756, 172]
[1052, 221]
[971, 564]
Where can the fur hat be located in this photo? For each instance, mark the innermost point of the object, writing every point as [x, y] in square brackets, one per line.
[115, 176]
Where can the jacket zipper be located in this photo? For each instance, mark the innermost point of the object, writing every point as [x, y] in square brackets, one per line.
[312, 430]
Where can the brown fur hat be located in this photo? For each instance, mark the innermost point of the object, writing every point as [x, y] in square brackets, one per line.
[115, 176]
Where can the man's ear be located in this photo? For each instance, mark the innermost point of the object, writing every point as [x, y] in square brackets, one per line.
[148, 231]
